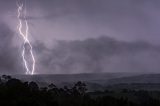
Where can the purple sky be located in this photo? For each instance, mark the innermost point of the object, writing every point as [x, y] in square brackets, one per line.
[75, 21]
[80, 19]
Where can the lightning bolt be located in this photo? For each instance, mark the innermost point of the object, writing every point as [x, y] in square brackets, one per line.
[27, 47]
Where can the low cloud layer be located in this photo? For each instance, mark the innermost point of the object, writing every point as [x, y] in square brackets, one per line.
[103, 54]
[94, 55]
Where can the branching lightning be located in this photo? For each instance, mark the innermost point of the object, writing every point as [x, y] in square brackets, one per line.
[23, 23]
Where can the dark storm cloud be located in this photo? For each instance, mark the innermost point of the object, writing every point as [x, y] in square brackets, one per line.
[122, 19]
[81, 19]
[103, 54]
[9, 55]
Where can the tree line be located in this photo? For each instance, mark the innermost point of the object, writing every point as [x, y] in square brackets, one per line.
[14, 92]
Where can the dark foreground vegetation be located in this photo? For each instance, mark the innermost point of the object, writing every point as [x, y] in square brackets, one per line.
[14, 92]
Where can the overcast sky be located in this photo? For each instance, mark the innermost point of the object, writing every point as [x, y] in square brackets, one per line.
[80, 19]
[124, 21]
